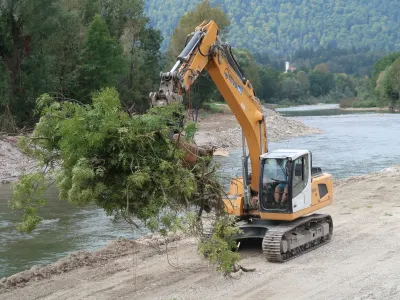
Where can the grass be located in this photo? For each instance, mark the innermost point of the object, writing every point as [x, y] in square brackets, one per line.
[213, 107]
[357, 103]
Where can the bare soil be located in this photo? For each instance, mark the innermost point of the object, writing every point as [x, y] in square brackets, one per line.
[12, 162]
[361, 261]
[223, 131]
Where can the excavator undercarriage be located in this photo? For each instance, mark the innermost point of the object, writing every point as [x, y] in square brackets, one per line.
[291, 239]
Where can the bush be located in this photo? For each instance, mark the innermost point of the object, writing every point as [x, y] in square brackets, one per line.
[212, 108]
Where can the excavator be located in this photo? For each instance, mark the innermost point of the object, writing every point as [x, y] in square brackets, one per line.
[277, 201]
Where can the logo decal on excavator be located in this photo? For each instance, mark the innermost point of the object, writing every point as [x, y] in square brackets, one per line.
[233, 82]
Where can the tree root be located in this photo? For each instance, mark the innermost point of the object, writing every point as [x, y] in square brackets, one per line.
[237, 268]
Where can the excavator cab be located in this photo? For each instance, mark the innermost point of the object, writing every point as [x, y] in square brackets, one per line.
[285, 181]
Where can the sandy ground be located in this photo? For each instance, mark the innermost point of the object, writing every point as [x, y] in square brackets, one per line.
[223, 131]
[12, 162]
[360, 262]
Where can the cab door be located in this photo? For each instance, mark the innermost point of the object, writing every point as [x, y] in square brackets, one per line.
[301, 183]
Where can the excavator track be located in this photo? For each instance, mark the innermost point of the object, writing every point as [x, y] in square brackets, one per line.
[292, 239]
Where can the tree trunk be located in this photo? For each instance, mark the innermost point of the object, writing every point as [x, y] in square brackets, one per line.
[12, 62]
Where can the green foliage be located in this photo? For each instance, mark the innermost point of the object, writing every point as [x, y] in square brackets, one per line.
[284, 26]
[382, 64]
[187, 24]
[190, 131]
[384, 86]
[320, 83]
[27, 197]
[24, 27]
[102, 59]
[388, 85]
[350, 61]
[218, 248]
[395, 74]
[212, 107]
[291, 89]
[322, 68]
[269, 89]
[249, 66]
[203, 11]
[128, 166]
[60, 47]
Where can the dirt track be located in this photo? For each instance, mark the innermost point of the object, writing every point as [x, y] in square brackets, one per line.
[361, 262]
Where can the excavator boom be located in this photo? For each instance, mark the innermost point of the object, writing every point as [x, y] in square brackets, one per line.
[205, 51]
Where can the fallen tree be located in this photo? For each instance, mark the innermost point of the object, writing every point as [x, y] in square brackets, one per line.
[139, 165]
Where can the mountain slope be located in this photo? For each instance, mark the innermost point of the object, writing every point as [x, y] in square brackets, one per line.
[283, 26]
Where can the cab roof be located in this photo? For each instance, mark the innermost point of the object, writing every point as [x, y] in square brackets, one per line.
[285, 153]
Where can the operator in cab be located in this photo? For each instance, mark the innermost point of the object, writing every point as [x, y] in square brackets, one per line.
[277, 175]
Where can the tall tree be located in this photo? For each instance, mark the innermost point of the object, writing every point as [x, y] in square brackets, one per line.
[249, 66]
[102, 60]
[202, 12]
[189, 21]
[141, 46]
[23, 26]
[384, 87]
[303, 79]
[269, 79]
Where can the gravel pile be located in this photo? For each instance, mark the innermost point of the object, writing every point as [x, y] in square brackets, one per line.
[228, 134]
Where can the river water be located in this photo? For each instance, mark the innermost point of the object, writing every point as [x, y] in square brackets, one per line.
[350, 144]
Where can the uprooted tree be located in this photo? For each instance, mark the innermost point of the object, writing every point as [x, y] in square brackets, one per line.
[127, 165]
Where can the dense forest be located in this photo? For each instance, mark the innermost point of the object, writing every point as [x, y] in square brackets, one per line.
[64, 48]
[71, 49]
[284, 26]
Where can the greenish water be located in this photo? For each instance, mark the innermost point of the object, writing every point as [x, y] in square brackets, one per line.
[65, 229]
[351, 144]
[322, 110]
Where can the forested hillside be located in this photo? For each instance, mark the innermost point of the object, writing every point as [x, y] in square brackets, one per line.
[72, 48]
[283, 26]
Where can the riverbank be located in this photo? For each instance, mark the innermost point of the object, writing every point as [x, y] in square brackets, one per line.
[361, 261]
[12, 162]
[383, 109]
[222, 130]
[217, 130]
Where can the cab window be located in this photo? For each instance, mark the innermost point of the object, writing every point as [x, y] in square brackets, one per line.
[300, 175]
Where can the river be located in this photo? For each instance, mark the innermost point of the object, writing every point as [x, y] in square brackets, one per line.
[350, 144]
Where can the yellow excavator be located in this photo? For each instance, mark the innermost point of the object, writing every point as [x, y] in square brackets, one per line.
[276, 201]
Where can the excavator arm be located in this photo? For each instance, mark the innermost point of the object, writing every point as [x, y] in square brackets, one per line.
[205, 51]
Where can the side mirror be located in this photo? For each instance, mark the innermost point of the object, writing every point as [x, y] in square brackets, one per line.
[298, 168]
